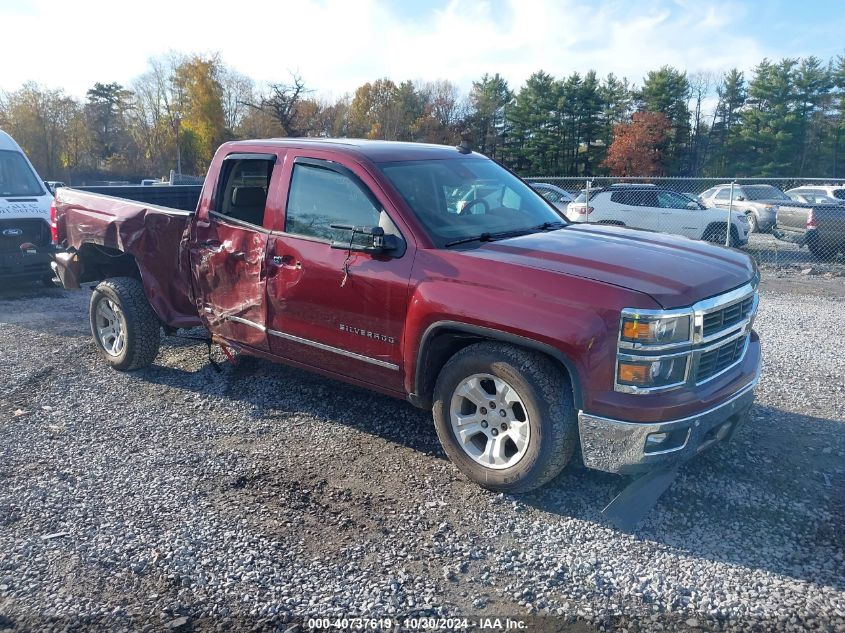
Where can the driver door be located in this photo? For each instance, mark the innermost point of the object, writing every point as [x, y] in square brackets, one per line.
[332, 308]
[677, 216]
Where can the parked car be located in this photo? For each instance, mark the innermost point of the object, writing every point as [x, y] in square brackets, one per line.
[524, 334]
[52, 185]
[554, 194]
[24, 217]
[818, 226]
[816, 195]
[758, 202]
[831, 191]
[657, 209]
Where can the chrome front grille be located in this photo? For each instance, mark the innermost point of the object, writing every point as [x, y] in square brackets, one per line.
[724, 318]
[713, 362]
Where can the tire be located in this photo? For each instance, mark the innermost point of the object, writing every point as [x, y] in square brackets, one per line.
[822, 252]
[47, 280]
[716, 235]
[119, 308]
[548, 421]
[753, 224]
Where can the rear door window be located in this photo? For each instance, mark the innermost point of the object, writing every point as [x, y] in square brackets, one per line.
[242, 194]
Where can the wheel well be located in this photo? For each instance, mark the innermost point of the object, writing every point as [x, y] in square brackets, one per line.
[441, 342]
[715, 228]
[100, 262]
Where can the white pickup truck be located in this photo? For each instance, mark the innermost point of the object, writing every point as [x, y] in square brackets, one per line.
[657, 209]
[24, 217]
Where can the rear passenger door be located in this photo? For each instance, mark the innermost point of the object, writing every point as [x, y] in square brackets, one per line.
[228, 245]
[636, 208]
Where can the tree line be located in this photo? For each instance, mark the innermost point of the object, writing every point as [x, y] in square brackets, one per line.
[785, 118]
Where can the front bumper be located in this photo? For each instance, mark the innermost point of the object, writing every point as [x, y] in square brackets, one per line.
[631, 448]
[17, 266]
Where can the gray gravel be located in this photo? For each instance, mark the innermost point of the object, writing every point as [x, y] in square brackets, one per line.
[176, 498]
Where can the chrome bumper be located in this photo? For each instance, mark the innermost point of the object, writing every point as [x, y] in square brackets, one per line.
[631, 448]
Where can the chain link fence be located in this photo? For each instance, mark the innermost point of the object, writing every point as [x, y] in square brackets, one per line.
[781, 222]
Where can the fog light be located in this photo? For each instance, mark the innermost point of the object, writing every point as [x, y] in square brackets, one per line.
[655, 439]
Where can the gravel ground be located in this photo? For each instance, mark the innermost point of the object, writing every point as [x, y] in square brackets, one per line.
[178, 498]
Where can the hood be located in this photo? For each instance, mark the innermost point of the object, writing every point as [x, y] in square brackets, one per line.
[675, 271]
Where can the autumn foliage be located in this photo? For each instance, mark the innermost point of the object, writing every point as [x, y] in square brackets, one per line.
[638, 147]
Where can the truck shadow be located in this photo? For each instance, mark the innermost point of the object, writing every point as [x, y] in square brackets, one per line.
[772, 499]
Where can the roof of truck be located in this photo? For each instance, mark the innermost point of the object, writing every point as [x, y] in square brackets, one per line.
[377, 151]
[8, 143]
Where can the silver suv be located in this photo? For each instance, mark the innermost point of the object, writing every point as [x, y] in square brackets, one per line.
[759, 203]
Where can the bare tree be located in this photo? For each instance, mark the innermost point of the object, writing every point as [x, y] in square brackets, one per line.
[281, 103]
[238, 91]
[702, 84]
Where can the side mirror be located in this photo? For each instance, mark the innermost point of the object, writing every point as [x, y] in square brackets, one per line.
[692, 206]
[375, 241]
[740, 198]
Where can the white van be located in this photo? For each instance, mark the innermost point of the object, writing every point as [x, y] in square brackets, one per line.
[24, 217]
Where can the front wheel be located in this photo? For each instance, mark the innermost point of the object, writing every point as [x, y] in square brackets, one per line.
[753, 225]
[126, 331]
[505, 416]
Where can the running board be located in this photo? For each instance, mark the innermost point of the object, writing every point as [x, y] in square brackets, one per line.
[634, 503]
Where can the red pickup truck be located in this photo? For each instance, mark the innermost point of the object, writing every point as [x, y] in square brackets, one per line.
[433, 274]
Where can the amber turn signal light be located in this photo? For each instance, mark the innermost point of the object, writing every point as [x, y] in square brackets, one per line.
[636, 330]
[633, 374]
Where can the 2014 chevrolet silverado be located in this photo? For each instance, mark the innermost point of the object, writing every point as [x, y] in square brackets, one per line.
[361, 260]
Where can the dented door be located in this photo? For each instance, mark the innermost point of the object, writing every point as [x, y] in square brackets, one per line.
[229, 281]
[228, 244]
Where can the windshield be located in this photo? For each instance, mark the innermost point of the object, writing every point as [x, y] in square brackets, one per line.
[461, 198]
[764, 192]
[16, 177]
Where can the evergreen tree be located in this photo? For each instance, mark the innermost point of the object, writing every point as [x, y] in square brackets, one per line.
[667, 91]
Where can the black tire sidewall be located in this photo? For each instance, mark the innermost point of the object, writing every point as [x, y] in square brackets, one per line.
[533, 464]
[141, 324]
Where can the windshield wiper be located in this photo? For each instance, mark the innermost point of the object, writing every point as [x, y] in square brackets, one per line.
[489, 237]
[484, 237]
[549, 226]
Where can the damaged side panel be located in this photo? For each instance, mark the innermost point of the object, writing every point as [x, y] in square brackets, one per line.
[229, 281]
[98, 227]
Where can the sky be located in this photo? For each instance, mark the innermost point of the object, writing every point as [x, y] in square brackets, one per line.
[336, 45]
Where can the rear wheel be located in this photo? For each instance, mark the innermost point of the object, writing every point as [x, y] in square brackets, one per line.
[821, 251]
[505, 416]
[126, 330]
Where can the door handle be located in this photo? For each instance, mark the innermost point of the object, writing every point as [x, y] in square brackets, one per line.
[212, 243]
[287, 261]
[239, 256]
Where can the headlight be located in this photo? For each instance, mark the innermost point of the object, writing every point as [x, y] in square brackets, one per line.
[652, 374]
[655, 330]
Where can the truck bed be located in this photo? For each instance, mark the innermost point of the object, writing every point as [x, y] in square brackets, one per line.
[830, 222]
[152, 235]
